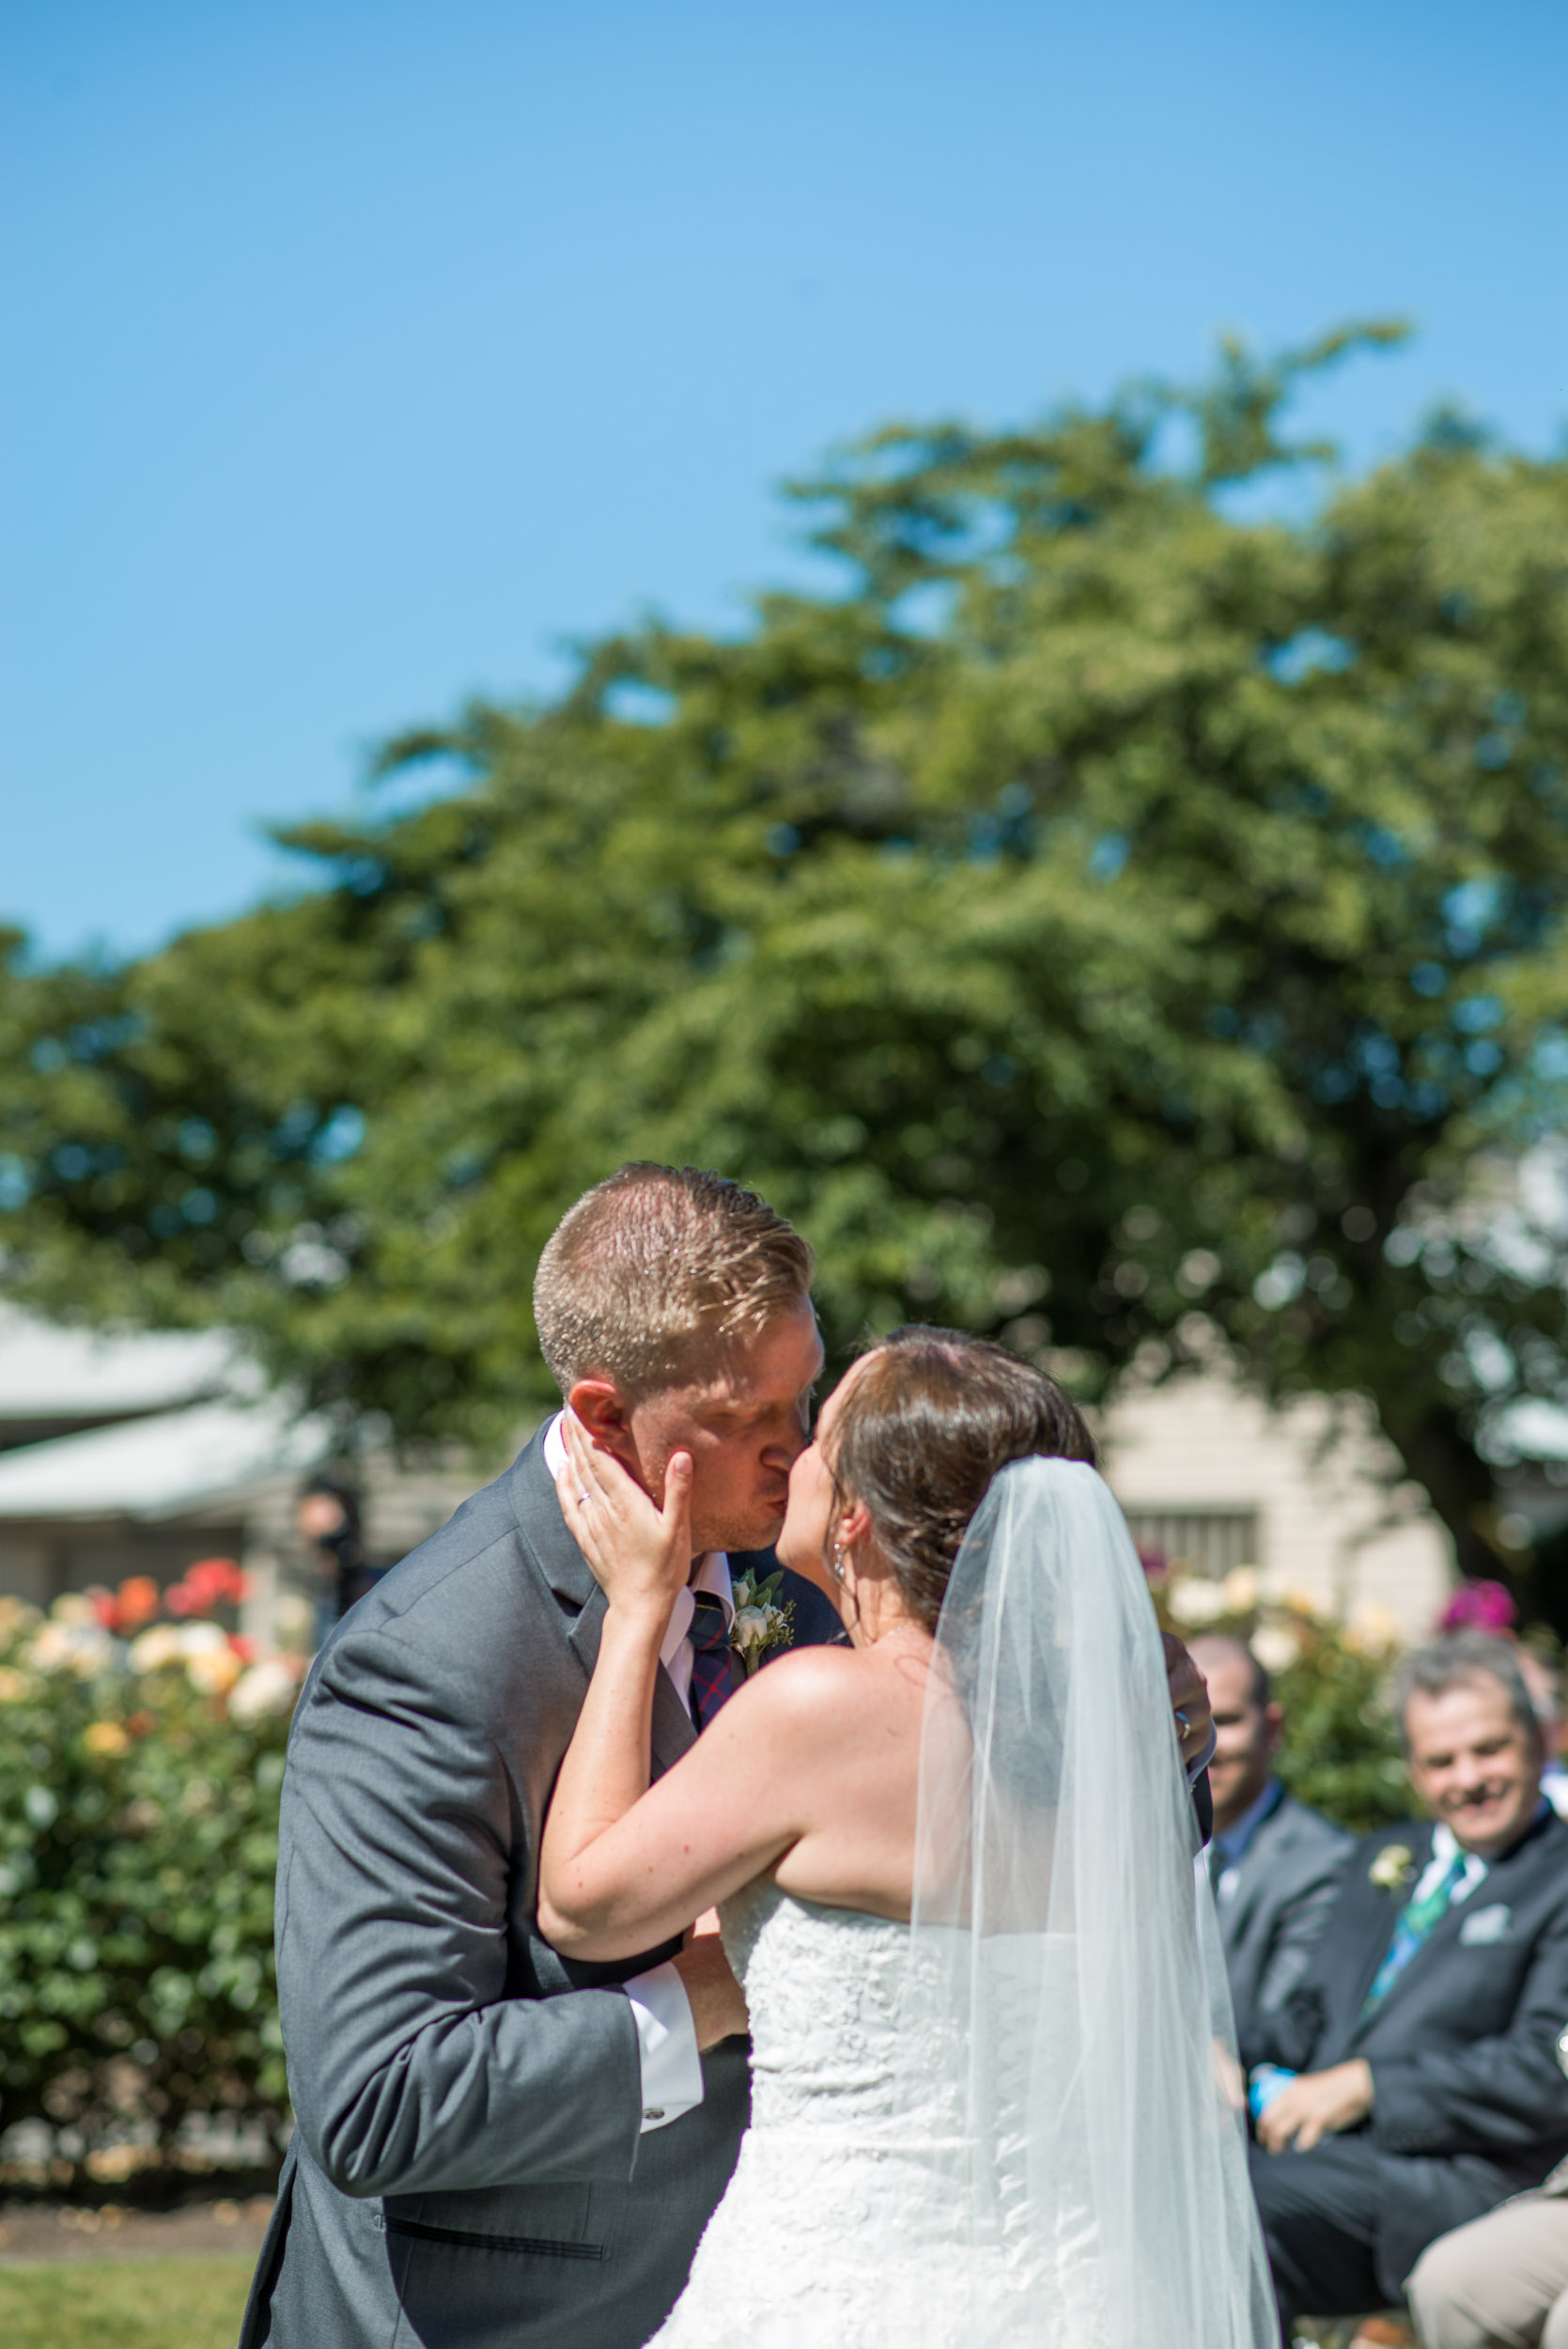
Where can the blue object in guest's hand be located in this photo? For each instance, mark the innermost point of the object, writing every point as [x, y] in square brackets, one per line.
[1263, 2084]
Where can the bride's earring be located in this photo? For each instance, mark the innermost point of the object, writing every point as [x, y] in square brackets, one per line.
[835, 1564]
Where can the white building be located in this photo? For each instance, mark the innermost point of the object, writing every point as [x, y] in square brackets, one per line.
[1308, 1494]
[139, 1454]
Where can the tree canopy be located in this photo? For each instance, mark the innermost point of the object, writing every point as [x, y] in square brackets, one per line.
[1116, 917]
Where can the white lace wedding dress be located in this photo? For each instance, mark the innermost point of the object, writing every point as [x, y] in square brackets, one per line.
[839, 2229]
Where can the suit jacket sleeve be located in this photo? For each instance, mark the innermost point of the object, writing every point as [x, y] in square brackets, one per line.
[1285, 2034]
[410, 2068]
[1505, 2092]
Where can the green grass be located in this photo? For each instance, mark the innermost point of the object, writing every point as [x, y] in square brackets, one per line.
[126, 2304]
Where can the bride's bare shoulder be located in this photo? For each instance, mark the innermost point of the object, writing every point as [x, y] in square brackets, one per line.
[807, 1685]
[823, 1697]
[801, 1671]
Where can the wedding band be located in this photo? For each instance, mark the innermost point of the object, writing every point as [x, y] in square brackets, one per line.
[582, 1500]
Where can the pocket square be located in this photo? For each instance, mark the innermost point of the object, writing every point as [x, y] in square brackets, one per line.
[1487, 1925]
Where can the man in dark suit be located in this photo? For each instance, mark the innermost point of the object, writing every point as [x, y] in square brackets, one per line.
[1273, 1864]
[1423, 2086]
[498, 2148]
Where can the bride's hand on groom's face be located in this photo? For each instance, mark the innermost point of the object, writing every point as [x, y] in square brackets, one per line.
[640, 1554]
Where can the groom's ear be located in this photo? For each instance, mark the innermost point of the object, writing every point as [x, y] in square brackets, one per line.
[604, 1412]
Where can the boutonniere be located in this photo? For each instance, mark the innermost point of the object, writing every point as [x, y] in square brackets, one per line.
[762, 1621]
[1391, 1868]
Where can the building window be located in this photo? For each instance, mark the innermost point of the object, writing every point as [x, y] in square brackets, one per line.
[1205, 1540]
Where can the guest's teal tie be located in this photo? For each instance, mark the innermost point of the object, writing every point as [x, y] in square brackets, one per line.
[1416, 1920]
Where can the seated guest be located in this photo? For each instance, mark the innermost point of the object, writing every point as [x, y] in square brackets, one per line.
[1273, 1864]
[1423, 2087]
[1502, 2281]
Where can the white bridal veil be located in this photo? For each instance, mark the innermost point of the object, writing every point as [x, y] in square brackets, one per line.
[1068, 2015]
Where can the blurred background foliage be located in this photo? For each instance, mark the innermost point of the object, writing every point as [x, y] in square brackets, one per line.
[1341, 1751]
[1129, 908]
[138, 1841]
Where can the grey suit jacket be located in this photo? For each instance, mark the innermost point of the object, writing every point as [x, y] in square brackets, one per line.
[468, 2166]
[1274, 1905]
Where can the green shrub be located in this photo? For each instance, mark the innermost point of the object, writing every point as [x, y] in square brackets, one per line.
[139, 1842]
[1341, 1751]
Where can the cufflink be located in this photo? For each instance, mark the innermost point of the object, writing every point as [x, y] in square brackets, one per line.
[653, 2112]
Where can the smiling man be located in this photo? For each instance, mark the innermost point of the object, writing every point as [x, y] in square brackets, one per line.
[1421, 2085]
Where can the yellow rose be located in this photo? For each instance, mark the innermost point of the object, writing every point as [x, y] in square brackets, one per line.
[156, 1648]
[214, 1671]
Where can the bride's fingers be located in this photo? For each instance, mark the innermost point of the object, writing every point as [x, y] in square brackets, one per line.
[599, 1478]
[676, 1516]
[625, 1536]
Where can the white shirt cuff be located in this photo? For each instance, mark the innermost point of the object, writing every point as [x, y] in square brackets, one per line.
[667, 2043]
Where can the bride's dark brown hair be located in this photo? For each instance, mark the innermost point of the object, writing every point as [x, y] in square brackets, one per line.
[929, 1422]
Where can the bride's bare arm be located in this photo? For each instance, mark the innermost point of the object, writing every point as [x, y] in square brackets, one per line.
[621, 1868]
[742, 1798]
[641, 1555]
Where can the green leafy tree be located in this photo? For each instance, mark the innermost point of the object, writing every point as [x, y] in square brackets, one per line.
[1119, 916]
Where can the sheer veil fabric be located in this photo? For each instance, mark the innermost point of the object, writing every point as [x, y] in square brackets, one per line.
[1067, 2015]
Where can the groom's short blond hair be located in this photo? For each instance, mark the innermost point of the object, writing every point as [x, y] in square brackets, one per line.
[657, 1268]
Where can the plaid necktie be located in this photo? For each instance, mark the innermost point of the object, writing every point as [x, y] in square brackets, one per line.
[1416, 1920]
[712, 1664]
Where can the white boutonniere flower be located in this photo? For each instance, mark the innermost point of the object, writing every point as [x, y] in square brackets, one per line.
[1391, 1868]
[762, 1621]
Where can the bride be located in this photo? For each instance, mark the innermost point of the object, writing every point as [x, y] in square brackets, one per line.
[993, 2100]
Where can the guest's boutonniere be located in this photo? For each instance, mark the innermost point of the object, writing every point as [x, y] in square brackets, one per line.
[762, 1621]
[1391, 1868]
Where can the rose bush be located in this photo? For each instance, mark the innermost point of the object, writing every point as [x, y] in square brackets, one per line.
[1341, 1751]
[139, 1784]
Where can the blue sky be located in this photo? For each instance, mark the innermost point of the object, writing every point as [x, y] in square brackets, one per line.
[357, 357]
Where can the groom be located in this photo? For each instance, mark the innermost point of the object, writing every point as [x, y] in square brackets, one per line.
[498, 2148]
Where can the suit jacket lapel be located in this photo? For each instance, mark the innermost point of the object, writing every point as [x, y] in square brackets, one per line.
[1250, 1873]
[545, 1535]
[1271, 1837]
[570, 1576]
[1375, 1948]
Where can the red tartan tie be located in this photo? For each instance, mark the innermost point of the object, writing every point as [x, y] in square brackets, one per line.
[712, 1664]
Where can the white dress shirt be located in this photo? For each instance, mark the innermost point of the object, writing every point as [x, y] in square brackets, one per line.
[1445, 1851]
[666, 2034]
